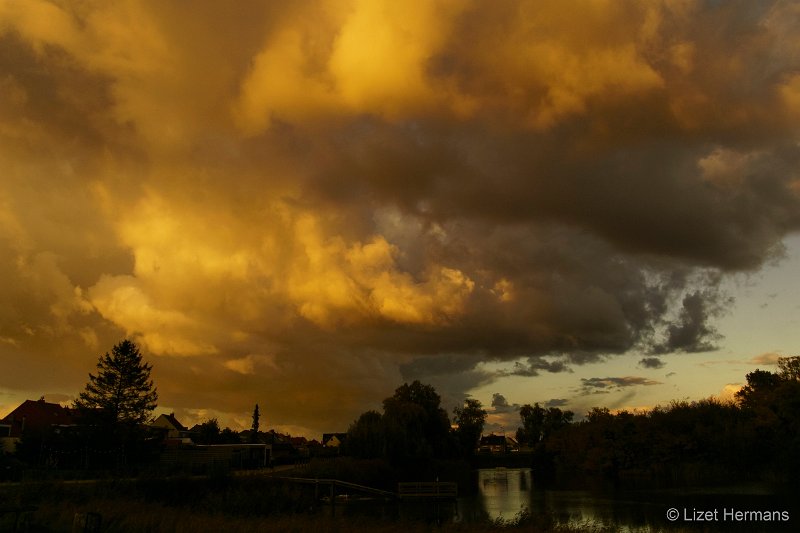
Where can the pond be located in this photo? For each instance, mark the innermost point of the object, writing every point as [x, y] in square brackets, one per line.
[502, 493]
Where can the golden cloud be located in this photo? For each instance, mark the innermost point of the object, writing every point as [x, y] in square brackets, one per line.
[324, 191]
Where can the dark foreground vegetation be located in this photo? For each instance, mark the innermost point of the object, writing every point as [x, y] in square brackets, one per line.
[230, 504]
[216, 504]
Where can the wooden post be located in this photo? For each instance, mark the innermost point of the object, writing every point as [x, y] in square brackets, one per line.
[333, 497]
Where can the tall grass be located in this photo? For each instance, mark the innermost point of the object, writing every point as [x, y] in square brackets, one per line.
[230, 504]
[127, 515]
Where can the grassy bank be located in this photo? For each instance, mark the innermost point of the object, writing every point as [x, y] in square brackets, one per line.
[123, 514]
[224, 504]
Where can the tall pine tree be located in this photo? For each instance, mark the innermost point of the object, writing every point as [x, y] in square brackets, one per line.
[121, 391]
[254, 429]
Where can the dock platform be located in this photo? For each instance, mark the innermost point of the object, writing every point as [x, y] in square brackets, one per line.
[427, 490]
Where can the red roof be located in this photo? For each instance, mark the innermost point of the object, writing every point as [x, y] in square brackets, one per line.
[37, 415]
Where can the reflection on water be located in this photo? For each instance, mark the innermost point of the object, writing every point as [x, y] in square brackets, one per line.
[504, 492]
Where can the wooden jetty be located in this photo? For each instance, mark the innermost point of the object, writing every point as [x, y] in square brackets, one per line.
[414, 490]
[427, 490]
[334, 488]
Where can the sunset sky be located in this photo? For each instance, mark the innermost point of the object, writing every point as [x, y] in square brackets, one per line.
[305, 204]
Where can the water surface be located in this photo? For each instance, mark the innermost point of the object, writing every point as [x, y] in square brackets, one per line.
[502, 493]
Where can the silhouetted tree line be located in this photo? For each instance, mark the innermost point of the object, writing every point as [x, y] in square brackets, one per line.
[754, 437]
[209, 432]
[414, 427]
[538, 423]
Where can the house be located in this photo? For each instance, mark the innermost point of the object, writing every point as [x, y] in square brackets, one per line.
[497, 444]
[175, 432]
[32, 415]
[333, 440]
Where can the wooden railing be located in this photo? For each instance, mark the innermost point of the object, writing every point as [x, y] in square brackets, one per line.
[441, 490]
[335, 483]
[427, 489]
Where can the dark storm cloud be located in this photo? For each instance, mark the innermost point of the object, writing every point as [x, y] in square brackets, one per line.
[692, 331]
[708, 204]
[438, 365]
[717, 197]
[451, 375]
[321, 199]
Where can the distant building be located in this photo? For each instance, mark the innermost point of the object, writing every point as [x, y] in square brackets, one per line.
[497, 444]
[333, 440]
[182, 452]
[201, 458]
[32, 415]
[175, 432]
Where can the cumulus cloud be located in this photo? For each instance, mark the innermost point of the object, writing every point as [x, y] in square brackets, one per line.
[500, 404]
[502, 415]
[652, 362]
[63, 399]
[728, 392]
[767, 358]
[286, 204]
